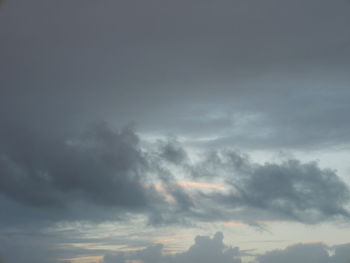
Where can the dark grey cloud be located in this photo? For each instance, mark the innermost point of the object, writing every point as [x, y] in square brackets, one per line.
[301, 192]
[172, 151]
[109, 174]
[103, 169]
[98, 174]
[290, 190]
[164, 64]
[89, 166]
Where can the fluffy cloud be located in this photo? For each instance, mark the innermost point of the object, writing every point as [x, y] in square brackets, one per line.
[308, 253]
[205, 249]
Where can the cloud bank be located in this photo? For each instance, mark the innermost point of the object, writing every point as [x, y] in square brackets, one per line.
[204, 250]
[110, 174]
[208, 250]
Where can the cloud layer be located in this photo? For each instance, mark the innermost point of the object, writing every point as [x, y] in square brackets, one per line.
[105, 174]
[219, 75]
[242, 73]
[207, 250]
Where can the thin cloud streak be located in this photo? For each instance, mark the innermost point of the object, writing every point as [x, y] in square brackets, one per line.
[212, 186]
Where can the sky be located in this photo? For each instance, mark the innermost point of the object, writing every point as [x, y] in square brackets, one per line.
[167, 131]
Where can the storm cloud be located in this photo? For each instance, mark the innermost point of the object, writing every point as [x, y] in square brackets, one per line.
[105, 173]
[103, 167]
[291, 190]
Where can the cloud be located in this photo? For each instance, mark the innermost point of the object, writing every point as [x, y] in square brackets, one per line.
[172, 151]
[99, 174]
[102, 168]
[308, 253]
[205, 249]
[290, 190]
[110, 174]
[105, 174]
[253, 60]
[246, 74]
[299, 253]
[341, 253]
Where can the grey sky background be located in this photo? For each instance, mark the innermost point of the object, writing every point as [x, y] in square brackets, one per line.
[153, 118]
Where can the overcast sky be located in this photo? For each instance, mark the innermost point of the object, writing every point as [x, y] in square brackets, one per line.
[166, 131]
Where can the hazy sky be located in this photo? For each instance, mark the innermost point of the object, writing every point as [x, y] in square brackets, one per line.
[174, 131]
